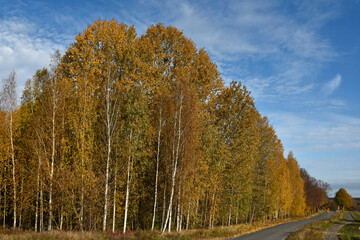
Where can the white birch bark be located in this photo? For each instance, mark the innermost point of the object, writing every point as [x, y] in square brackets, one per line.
[53, 141]
[157, 169]
[114, 204]
[163, 207]
[84, 118]
[61, 216]
[8, 97]
[181, 218]
[13, 166]
[40, 145]
[82, 195]
[168, 218]
[128, 178]
[188, 215]
[108, 133]
[37, 199]
[212, 206]
[41, 196]
[41, 207]
[111, 112]
[178, 210]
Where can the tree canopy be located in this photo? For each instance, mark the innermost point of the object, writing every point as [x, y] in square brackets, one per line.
[343, 199]
[140, 132]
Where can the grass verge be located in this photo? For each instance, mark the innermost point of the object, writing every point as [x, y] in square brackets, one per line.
[315, 230]
[351, 231]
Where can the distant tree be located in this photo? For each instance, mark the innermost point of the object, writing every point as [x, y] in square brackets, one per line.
[343, 199]
[315, 191]
[297, 187]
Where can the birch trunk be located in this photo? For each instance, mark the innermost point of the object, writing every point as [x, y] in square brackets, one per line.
[157, 170]
[21, 201]
[168, 218]
[164, 207]
[53, 141]
[188, 215]
[82, 196]
[212, 206]
[61, 216]
[9, 100]
[128, 183]
[41, 207]
[181, 218]
[106, 183]
[108, 135]
[114, 204]
[84, 118]
[178, 211]
[206, 208]
[229, 217]
[37, 195]
[13, 165]
[4, 214]
[38, 208]
[237, 213]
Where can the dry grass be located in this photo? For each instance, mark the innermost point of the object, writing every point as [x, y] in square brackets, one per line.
[315, 230]
[351, 231]
[30, 235]
[214, 233]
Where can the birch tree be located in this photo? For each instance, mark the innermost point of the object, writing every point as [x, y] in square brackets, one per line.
[141, 129]
[102, 55]
[4, 162]
[55, 94]
[296, 187]
[236, 118]
[9, 104]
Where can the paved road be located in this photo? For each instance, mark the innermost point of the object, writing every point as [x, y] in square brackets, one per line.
[281, 231]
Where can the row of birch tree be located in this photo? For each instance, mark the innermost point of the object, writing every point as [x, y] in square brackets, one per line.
[139, 132]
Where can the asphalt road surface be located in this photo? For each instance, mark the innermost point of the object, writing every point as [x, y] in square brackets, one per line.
[281, 231]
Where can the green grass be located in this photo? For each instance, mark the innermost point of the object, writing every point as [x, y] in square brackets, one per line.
[315, 230]
[351, 231]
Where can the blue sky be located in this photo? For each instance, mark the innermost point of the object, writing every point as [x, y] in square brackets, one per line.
[300, 59]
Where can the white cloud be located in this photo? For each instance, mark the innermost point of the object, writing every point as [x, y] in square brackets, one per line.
[24, 48]
[327, 145]
[316, 132]
[332, 85]
[277, 54]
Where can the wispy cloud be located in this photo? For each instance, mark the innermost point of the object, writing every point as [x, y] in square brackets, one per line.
[24, 49]
[274, 52]
[277, 54]
[332, 85]
[305, 133]
[326, 144]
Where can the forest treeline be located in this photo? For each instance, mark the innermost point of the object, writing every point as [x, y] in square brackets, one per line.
[139, 132]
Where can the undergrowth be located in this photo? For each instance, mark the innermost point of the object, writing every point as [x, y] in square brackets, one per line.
[214, 233]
